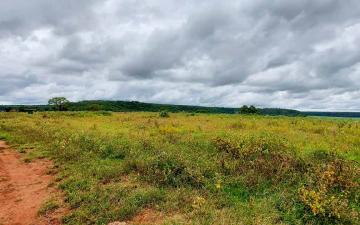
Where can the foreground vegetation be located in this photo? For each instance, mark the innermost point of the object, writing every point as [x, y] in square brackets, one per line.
[196, 168]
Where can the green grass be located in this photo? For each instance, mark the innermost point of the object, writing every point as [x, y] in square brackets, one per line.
[48, 206]
[197, 169]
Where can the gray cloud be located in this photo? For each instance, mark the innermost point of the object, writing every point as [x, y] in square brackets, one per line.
[22, 17]
[301, 54]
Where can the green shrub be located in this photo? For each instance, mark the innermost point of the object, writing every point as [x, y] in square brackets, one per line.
[260, 159]
[164, 114]
[165, 171]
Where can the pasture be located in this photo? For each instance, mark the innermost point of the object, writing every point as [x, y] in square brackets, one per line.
[195, 168]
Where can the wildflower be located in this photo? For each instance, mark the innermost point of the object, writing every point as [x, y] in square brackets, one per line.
[198, 202]
[218, 184]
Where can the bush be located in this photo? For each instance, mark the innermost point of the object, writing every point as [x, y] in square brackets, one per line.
[165, 171]
[164, 114]
[260, 158]
[331, 192]
[227, 147]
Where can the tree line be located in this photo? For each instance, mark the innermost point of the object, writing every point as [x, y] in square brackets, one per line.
[63, 104]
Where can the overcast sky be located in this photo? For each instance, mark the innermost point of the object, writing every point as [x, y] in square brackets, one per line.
[301, 54]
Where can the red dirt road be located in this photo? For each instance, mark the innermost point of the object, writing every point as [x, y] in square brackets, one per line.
[23, 188]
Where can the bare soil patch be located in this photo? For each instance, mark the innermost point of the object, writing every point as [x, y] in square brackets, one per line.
[24, 187]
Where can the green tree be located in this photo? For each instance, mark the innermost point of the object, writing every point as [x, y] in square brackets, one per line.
[60, 103]
[248, 110]
[244, 109]
[253, 110]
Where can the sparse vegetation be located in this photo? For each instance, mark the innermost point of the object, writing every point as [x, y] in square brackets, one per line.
[48, 206]
[203, 169]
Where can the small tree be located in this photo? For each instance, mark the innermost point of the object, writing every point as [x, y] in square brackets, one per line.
[253, 110]
[59, 103]
[244, 109]
[248, 110]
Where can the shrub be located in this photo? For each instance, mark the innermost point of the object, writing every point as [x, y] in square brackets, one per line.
[331, 192]
[227, 147]
[164, 114]
[260, 158]
[166, 171]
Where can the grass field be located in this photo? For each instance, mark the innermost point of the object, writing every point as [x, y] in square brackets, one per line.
[196, 168]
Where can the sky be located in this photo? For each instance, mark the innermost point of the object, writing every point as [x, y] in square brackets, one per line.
[301, 54]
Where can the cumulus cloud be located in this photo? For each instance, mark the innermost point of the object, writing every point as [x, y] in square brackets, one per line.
[298, 54]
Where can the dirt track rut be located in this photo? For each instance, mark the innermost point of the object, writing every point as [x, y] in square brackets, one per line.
[23, 188]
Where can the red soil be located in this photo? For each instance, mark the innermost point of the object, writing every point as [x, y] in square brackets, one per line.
[148, 217]
[23, 189]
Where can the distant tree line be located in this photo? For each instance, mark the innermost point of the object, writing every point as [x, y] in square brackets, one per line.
[334, 114]
[134, 106]
[62, 104]
[279, 111]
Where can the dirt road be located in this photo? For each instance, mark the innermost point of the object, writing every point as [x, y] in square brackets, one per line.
[23, 188]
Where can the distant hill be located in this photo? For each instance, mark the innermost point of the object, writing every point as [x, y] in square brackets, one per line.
[134, 106]
[334, 114]
[122, 106]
